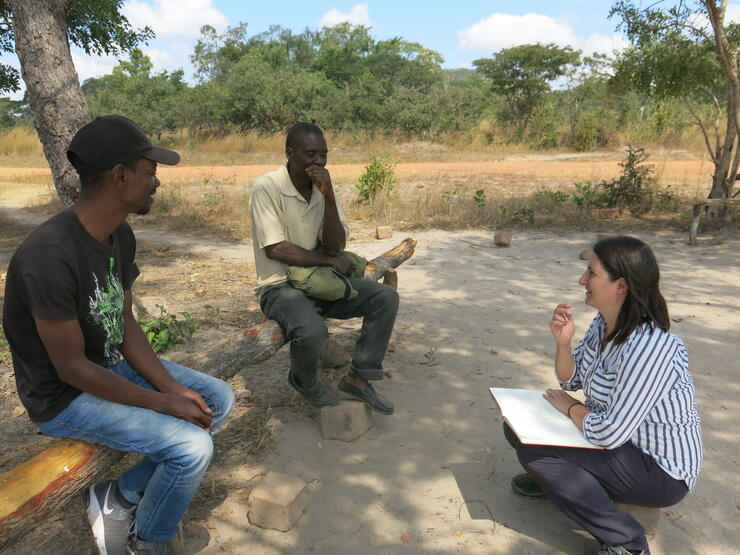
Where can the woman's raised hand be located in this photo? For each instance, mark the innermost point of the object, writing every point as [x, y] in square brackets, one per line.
[562, 325]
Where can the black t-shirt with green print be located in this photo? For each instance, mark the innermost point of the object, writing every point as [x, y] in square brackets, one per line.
[60, 273]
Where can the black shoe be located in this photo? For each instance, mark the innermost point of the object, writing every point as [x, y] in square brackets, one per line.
[525, 485]
[318, 395]
[111, 523]
[368, 396]
[142, 547]
[618, 550]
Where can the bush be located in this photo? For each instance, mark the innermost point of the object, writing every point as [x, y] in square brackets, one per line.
[166, 330]
[379, 176]
[634, 188]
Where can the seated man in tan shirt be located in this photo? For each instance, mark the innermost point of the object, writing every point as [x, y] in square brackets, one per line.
[297, 221]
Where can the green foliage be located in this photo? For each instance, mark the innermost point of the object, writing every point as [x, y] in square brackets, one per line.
[634, 188]
[480, 198]
[522, 74]
[149, 99]
[379, 177]
[96, 26]
[544, 196]
[13, 112]
[167, 330]
[589, 195]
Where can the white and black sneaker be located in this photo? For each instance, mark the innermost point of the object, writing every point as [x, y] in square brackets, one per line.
[111, 523]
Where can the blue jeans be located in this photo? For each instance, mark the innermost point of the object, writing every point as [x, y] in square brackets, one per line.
[177, 453]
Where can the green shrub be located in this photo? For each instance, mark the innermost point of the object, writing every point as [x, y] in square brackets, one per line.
[551, 197]
[166, 330]
[589, 195]
[634, 188]
[379, 176]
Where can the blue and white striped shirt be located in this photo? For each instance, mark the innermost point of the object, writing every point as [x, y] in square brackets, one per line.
[640, 391]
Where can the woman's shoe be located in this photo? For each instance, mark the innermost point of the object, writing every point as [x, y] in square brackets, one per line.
[525, 485]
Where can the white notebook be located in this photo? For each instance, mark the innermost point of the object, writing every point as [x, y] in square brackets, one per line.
[537, 422]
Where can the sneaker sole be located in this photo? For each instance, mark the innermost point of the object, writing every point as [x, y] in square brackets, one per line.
[95, 518]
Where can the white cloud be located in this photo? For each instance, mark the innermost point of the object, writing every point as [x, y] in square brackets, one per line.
[162, 60]
[92, 66]
[500, 30]
[170, 18]
[733, 13]
[603, 44]
[358, 15]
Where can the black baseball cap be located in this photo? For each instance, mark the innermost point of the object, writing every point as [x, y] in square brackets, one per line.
[110, 140]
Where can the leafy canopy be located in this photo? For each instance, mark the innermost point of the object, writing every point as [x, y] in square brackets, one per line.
[96, 26]
[522, 74]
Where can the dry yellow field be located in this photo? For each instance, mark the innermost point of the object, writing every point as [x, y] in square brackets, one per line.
[688, 176]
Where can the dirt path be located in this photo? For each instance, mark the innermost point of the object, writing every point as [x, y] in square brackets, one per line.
[434, 477]
[437, 472]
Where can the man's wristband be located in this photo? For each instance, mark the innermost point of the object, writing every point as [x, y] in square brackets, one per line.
[570, 407]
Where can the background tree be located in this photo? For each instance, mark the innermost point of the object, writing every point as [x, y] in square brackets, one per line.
[40, 32]
[522, 74]
[683, 50]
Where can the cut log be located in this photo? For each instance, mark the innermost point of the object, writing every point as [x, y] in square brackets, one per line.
[44, 483]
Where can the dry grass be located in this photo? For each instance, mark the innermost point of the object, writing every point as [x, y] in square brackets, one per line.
[217, 209]
[20, 142]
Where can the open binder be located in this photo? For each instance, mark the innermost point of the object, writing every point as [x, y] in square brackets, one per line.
[537, 422]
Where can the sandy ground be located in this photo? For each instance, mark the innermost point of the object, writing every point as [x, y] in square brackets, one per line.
[437, 472]
[434, 477]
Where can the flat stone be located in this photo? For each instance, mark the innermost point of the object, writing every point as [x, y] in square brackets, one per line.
[346, 421]
[333, 355]
[383, 232]
[649, 517]
[502, 237]
[277, 502]
[586, 254]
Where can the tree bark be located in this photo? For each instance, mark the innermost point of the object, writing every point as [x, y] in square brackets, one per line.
[44, 483]
[57, 103]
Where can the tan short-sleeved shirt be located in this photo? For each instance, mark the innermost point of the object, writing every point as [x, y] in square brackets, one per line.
[280, 213]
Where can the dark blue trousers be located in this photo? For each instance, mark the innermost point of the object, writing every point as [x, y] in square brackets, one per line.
[584, 483]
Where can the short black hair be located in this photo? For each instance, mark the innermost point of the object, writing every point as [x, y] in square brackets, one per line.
[301, 128]
[631, 259]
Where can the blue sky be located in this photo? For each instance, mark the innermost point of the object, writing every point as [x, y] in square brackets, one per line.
[461, 31]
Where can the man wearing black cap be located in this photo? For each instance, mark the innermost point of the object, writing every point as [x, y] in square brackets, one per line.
[84, 368]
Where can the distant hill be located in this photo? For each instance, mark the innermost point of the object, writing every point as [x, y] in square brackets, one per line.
[458, 74]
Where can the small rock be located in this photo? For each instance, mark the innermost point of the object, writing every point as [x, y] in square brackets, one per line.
[502, 237]
[333, 355]
[18, 411]
[383, 232]
[586, 254]
[277, 502]
[346, 421]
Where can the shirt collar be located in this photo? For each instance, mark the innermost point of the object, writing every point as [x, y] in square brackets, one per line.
[288, 189]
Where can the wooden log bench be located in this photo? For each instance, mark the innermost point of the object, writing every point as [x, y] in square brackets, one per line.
[698, 209]
[44, 483]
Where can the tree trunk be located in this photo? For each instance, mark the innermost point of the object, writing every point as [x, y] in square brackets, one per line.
[44, 484]
[58, 105]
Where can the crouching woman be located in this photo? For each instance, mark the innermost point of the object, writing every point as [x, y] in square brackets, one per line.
[639, 404]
